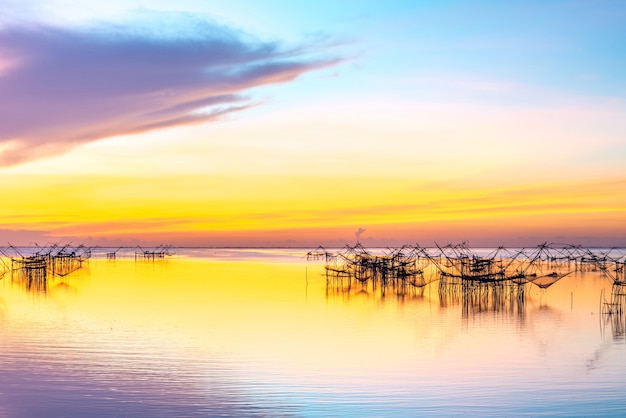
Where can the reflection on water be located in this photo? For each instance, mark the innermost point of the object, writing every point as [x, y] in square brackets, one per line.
[209, 333]
[31, 267]
[614, 309]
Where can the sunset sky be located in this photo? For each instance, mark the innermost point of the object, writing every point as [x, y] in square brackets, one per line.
[283, 123]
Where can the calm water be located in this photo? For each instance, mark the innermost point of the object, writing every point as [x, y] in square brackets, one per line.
[246, 333]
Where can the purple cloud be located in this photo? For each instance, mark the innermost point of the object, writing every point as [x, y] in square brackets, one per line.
[63, 87]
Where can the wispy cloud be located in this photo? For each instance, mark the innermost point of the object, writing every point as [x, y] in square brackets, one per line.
[61, 87]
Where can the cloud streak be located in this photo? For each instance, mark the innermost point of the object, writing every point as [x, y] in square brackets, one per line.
[63, 87]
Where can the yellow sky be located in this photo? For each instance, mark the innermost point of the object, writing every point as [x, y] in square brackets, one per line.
[317, 175]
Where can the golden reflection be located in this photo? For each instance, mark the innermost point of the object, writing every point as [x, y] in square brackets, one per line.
[289, 316]
[274, 313]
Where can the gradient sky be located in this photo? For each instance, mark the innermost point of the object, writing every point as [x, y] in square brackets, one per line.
[304, 123]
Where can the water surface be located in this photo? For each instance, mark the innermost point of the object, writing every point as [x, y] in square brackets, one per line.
[258, 332]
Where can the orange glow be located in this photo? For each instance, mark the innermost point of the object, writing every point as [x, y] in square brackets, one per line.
[210, 210]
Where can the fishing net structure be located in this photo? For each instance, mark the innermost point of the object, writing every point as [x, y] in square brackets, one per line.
[479, 279]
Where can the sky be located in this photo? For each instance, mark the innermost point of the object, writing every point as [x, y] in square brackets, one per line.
[276, 123]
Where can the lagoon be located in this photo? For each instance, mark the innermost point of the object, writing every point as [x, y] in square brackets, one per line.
[224, 332]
